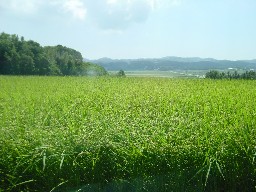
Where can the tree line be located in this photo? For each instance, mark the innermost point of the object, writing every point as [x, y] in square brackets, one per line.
[21, 57]
[213, 74]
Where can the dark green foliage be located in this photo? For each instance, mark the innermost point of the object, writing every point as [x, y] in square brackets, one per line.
[120, 73]
[249, 75]
[20, 57]
[67, 61]
[213, 74]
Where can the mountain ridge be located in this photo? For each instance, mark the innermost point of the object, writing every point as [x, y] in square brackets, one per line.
[174, 63]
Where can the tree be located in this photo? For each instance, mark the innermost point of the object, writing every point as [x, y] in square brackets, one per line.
[27, 65]
[213, 74]
[20, 57]
[235, 75]
[217, 75]
[120, 73]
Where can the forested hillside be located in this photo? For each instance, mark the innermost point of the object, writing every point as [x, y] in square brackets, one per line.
[174, 63]
[21, 57]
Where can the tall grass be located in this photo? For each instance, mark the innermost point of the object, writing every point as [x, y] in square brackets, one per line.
[127, 134]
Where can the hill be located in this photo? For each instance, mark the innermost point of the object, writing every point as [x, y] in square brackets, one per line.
[174, 63]
[21, 57]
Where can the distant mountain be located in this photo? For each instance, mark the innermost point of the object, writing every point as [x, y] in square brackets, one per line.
[173, 63]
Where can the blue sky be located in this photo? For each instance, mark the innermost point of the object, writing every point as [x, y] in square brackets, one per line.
[221, 29]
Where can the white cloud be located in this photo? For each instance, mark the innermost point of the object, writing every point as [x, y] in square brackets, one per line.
[106, 14]
[118, 14]
[25, 6]
[76, 8]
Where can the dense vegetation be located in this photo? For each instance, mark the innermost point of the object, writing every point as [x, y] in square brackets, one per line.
[120, 73]
[20, 57]
[127, 134]
[213, 74]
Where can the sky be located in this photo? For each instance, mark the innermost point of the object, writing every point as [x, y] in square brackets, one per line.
[130, 29]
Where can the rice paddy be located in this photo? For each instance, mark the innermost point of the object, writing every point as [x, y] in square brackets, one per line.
[127, 134]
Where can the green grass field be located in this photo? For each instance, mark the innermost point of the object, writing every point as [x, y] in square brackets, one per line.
[127, 134]
[165, 74]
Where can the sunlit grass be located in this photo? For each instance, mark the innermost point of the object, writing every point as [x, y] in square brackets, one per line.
[143, 134]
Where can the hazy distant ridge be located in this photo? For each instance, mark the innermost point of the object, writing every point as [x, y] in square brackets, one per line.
[174, 63]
